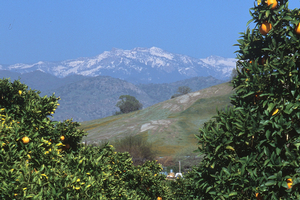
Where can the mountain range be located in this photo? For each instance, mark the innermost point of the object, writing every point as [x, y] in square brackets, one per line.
[87, 98]
[90, 87]
[139, 65]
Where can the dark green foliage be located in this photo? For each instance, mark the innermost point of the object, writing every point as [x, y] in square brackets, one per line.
[49, 166]
[128, 104]
[253, 147]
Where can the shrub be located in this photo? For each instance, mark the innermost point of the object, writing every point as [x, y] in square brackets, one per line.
[138, 147]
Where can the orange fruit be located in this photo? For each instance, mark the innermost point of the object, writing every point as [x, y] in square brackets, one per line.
[289, 183]
[62, 138]
[246, 70]
[258, 196]
[159, 198]
[25, 140]
[274, 2]
[265, 28]
[298, 29]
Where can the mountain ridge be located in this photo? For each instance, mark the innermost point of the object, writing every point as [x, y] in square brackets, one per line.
[139, 65]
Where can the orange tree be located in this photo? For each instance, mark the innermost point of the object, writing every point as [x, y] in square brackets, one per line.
[42, 159]
[252, 149]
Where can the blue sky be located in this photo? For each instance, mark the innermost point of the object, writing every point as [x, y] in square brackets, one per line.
[56, 30]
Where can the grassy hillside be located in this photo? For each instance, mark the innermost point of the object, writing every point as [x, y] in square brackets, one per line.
[170, 125]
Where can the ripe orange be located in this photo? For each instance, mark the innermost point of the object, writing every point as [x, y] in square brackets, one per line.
[298, 29]
[265, 28]
[159, 198]
[62, 138]
[258, 196]
[289, 183]
[274, 2]
[25, 140]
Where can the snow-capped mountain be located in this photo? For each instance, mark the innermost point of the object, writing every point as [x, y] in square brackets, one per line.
[139, 65]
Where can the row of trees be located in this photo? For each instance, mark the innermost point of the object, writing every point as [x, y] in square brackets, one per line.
[43, 159]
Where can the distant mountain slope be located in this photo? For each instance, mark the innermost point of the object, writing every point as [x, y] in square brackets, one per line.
[40, 80]
[163, 92]
[87, 98]
[139, 65]
[170, 125]
[95, 97]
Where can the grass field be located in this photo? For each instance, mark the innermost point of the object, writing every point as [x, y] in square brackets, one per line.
[169, 125]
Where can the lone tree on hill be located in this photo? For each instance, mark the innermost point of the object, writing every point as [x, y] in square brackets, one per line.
[182, 90]
[128, 104]
[252, 149]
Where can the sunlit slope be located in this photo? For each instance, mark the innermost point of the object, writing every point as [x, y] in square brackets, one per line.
[170, 125]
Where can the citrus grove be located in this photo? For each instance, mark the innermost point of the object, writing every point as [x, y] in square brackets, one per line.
[43, 159]
[252, 148]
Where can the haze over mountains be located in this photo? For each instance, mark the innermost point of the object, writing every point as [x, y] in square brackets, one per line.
[90, 87]
[139, 65]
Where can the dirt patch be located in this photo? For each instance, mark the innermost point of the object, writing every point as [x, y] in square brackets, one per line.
[155, 124]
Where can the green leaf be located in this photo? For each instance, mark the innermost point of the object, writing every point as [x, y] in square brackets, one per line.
[230, 147]
[267, 13]
[270, 182]
[226, 171]
[232, 194]
[209, 188]
[287, 18]
[218, 147]
[297, 145]
[268, 133]
[278, 151]
[270, 107]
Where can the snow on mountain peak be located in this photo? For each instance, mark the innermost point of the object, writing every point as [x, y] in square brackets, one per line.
[161, 53]
[139, 64]
[217, 60]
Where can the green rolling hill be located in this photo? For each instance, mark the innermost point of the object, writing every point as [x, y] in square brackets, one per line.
[169, 125]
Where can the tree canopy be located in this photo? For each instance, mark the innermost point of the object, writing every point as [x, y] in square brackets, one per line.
[128, 104]
[182, 90]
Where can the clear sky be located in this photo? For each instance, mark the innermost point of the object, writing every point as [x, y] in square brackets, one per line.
[56, 30]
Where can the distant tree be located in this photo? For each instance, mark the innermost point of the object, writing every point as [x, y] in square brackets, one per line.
[182, 90]
[128, 104]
